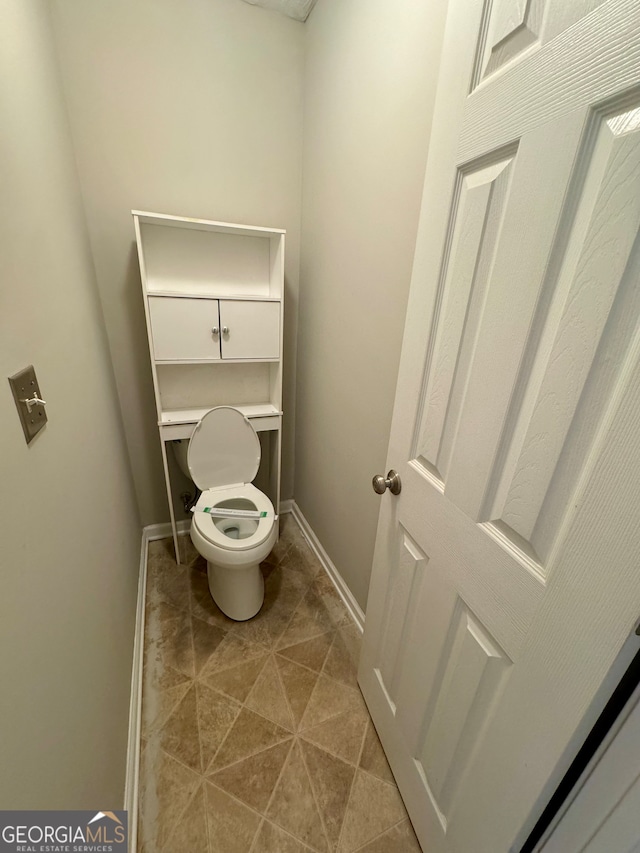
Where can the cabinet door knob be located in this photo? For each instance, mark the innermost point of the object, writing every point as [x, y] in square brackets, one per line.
[225, 330]
[215, 330]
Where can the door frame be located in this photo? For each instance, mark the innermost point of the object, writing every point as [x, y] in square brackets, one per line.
[597, 729]
[624, 702]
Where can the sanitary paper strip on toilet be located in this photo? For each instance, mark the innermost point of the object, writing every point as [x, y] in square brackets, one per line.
[222, 512]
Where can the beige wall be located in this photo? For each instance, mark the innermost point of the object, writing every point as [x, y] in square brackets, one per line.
[190, 107]
[69, 525]
[371, 70]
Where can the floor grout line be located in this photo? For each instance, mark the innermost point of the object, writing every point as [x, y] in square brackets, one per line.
[305, 640]
[256, 836]
[315, 798]
[168, 755]
[206, 816]
[233, 797]
[296, 723]
[284, 694]
[154, 731]
[198, 713]
[353, 782]
[355, 689]
[181, 763]
[245, 757]
[271, 796]
[327, 720]
[378, 779]
[326, 657]
[384, 831]
[289, 835]
[215, 754]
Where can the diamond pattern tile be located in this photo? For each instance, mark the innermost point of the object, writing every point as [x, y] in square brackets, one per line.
[310, 653]
[341, 735]
[190, 831]
[293, 806]
[256, 738]
[237, 681]
[331, 781]
[268, 697]
[253, 779]
[249, 734]
[298, 683]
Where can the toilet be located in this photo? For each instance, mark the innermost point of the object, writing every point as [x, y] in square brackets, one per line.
[222, 458]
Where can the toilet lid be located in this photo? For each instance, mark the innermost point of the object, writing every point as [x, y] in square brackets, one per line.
[224, 449]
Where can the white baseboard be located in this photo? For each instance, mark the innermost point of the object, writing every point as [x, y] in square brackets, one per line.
[163, 531]
[345, 593]
[135, 702]
[286, 506]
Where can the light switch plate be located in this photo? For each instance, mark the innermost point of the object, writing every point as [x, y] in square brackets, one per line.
[25, 386]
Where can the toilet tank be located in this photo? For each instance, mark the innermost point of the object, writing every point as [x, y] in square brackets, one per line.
[180, 447]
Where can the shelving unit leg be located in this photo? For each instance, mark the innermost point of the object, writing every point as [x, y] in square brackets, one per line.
[167, 480]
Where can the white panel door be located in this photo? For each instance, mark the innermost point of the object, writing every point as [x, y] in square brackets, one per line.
[184, 329]
[250, 329]
[506, 574]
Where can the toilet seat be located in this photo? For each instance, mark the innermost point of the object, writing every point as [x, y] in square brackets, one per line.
[205, 525]
[223, 457]
[224, 450]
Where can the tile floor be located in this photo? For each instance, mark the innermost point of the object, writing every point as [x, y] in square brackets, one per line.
[255, 736]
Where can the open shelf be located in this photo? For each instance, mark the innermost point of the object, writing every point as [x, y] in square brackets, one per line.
[224, 292]
[160, 362]
[191, 257]
[192, 416]
[146, 217]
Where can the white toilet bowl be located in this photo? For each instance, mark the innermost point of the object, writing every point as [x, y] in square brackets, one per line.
[223, 457]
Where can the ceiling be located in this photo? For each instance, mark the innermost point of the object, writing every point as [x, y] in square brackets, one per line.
[297, 9]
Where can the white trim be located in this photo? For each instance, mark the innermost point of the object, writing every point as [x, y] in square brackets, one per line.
[596, 796]
[286, 506]
[355, 611]
[149, 534]
[135, 702]
[164, 531]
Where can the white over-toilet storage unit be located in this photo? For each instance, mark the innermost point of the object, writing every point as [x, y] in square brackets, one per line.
[213, 298]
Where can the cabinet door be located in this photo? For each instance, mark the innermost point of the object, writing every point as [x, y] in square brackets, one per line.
[252, 329]
[183, 328]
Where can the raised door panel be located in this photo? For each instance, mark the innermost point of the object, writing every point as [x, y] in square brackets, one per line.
[184, 329]
[581, 354]
[510, 27]
[548, 356]
[443, 698]
[250, 329]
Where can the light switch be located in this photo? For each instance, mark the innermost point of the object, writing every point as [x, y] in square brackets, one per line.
[29, 402]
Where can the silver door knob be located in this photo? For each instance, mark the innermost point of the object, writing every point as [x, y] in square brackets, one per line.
[215, 330]
[225, 330]
[391, 482]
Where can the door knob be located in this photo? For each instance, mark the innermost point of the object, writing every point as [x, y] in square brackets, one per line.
[391, 482]
[225, 330]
